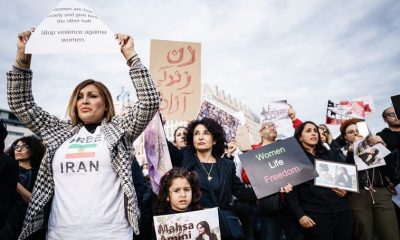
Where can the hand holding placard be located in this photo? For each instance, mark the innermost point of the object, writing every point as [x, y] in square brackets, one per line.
[22, 59]
[127, 46]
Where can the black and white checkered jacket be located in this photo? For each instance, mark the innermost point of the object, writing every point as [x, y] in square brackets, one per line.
[119, 135]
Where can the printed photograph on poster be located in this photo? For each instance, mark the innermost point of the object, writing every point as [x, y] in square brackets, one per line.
[367, 156]
[202, 224]
[277, 113]
[336, 113]
[228, 122]
[336, 175]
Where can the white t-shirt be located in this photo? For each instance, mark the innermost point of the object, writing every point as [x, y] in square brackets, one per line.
[88, 199]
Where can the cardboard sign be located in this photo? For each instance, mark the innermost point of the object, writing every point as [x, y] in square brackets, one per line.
[228, 122]
[277, 113]
[336, 175]
[175, 68]
[273, 166]
[243, 138]
[338, 113]
[367, 156]
[72, 27]
[396, 105]
[186, 225]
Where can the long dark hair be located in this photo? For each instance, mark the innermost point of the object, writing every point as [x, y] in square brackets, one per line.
[176, 130]
[206, 227]
[216, 131]
[165, 183]
[319, 148]
[35, 146]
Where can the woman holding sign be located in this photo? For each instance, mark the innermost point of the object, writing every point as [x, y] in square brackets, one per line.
[323, 213]
[218, 180]
[84, 183]
[372, 205]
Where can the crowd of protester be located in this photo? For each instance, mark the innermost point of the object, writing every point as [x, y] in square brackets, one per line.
[49, 192]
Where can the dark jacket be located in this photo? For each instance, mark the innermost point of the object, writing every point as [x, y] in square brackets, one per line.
[392, 141]
[8, 193]
[309, 198]
[229, 183]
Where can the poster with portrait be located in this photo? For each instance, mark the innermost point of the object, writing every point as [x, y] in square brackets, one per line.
[228, 121]
[337, 113]
[202, 224]
[277, 113]
[274, 165]
[175, 68]
[336, 175]
[367, 155]
[72, 27]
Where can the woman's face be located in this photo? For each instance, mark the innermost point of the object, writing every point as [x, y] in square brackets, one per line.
[22, 151]
[180, 194]
[309, 136]
[180, 137]
[90, 105]
[322, 134]
[202, 138]
[201, 229]
[351, 133]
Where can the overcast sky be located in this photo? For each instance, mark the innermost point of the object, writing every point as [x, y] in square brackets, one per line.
[258, 51]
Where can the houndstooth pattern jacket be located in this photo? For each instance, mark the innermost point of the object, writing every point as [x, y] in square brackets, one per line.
[119, 135]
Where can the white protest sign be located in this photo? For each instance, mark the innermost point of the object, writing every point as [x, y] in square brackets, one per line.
[72, 27]
[277, 112]
[202, 224]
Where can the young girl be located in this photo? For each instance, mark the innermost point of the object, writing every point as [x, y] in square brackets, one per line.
[179, 192]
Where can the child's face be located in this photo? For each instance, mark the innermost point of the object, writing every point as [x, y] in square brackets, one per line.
[180, 194]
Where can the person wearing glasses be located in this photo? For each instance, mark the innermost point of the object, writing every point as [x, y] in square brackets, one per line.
[273, 225]
[28, 152]
[391, 136]
[372, 206]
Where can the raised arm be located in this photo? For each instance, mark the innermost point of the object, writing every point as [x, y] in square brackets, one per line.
[137, 118]
[23, 60]
[20, 98]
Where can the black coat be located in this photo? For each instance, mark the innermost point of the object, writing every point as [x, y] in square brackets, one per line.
[229, 183]
[8, 186]
[307, 197]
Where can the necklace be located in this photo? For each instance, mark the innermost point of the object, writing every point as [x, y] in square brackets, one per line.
[208, 173]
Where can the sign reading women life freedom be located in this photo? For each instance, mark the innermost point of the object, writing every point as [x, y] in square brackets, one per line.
[275, 165]
[72, 27]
